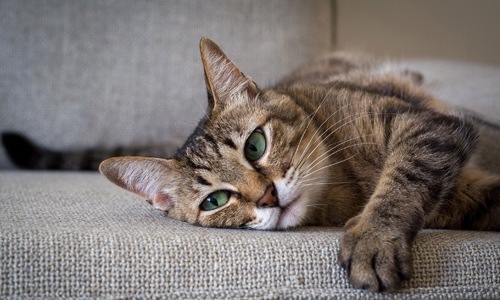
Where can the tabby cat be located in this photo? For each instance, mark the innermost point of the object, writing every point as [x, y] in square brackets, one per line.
[340, 142]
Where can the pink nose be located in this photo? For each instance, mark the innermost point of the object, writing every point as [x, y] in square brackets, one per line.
[269, 199]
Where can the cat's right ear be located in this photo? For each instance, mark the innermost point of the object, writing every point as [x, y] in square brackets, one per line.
[223, 78]
[151, 178]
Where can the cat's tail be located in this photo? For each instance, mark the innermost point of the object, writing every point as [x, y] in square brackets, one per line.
[28, 155]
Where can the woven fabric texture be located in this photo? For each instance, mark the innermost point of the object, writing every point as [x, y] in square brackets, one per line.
[107, 73]
[76, 235]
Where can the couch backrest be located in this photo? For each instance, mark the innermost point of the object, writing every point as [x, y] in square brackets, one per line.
[89, 73]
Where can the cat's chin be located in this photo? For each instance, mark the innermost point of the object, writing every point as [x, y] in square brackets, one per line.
[279, 218]
[273, 218]
[266, 219]
[291, 215]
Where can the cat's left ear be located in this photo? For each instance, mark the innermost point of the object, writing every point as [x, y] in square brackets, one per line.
[222, 76]
[151, 178]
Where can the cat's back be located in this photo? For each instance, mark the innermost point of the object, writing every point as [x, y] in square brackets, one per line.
[355, 84]
[328, 68]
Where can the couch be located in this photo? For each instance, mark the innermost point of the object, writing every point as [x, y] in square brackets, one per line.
[105, 73]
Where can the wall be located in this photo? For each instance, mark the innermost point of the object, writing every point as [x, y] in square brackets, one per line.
[456, 29]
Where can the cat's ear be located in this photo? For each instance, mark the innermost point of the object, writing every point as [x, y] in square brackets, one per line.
[222, 76]
[150, 178]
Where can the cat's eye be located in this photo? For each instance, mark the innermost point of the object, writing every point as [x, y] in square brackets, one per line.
[215, 200]
[255, 145]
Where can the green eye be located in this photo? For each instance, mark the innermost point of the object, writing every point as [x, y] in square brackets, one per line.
[215, 200]
[255, 145]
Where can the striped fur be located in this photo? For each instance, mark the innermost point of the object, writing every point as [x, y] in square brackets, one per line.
[349, 142]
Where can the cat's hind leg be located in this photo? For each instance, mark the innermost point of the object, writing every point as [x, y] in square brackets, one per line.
[473, 205]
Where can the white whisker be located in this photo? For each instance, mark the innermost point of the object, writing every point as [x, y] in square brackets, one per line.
[331, 152]
[328, 166]
[319, 135]
[327, 183]
[309, 123]
[353, 119]
[317, 205]
[313, 165]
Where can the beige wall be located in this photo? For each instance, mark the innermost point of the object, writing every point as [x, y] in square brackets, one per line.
[457, 29]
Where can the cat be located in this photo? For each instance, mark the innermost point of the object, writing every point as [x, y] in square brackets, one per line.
[340, 142]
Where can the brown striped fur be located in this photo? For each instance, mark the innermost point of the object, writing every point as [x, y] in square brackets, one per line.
[349, 142]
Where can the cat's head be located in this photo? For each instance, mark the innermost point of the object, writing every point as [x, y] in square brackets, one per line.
[252, 162]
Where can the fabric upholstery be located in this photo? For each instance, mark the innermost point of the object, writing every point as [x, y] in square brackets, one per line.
[108, 73]
[470, 85]
[77, 235]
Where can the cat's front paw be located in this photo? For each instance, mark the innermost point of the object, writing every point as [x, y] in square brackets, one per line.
[376, 259]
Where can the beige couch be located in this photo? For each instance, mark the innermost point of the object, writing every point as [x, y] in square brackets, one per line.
[103, 73]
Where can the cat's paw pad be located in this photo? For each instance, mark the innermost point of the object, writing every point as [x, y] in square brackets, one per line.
[375, 260]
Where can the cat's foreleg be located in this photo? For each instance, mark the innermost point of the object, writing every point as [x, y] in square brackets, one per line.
[423, 159]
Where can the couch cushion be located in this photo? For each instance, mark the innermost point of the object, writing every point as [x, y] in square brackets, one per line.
[77, 235]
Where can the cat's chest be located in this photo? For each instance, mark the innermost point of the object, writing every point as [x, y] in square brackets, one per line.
[358, 166]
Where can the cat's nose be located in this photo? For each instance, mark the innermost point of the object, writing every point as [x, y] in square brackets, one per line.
[270, 198]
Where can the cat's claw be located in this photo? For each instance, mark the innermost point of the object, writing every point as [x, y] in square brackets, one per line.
[375, 259]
